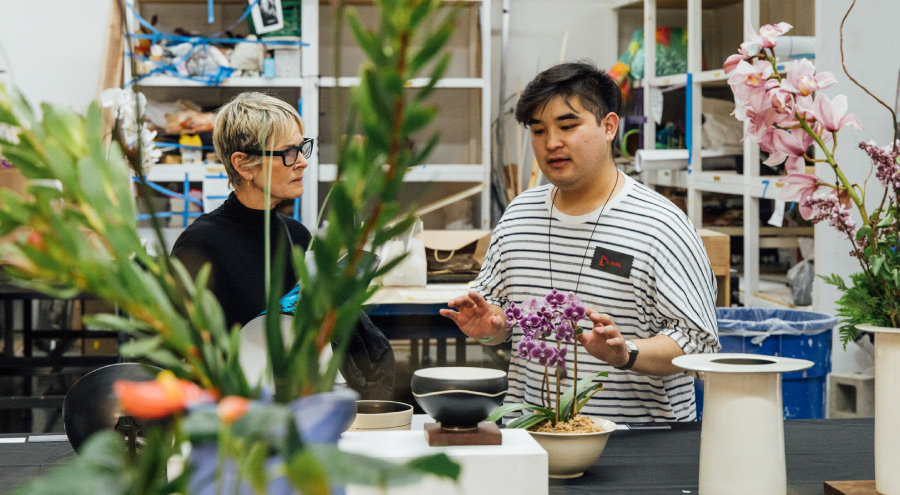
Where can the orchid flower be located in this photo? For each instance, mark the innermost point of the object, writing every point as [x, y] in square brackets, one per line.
[803, 80]
[767, 37]
[790, 146]
[732, 61]
[832, 114]
[751, 75]
[798, 187]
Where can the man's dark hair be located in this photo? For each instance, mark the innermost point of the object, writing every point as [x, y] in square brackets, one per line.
[598, 92]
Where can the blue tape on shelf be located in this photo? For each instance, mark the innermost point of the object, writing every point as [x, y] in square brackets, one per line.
[186, 190]
[163, 190]
[689, 124]
[163, 144]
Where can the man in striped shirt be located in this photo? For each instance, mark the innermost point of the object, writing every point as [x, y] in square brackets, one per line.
[632, 256]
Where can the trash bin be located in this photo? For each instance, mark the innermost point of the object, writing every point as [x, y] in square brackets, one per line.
[787, 333]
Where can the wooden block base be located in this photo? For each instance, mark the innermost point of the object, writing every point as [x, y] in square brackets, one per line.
[866, 487]
[485, 434]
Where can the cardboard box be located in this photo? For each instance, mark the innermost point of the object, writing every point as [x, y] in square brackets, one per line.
[718, 249]
[455, 255]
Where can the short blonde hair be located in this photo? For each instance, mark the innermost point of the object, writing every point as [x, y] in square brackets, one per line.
[251, 121]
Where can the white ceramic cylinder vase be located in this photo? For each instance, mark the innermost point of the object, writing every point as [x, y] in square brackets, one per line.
[887, 405]
[742, 435]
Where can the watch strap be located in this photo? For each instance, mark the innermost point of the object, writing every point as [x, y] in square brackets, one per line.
[632, 355]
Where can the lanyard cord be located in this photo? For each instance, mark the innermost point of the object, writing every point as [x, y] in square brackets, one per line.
[587, 247]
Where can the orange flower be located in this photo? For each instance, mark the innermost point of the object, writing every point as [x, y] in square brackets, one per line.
[231, 408]
[36, 240]
[160, 398]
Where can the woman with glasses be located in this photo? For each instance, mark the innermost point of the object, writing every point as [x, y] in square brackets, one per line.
[256, 134]
[253, 134]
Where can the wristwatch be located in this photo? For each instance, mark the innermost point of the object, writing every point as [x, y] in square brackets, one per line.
[632, 355]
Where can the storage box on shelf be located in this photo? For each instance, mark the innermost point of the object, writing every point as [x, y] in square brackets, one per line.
[714, 31]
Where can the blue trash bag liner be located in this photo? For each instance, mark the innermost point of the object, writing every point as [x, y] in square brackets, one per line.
[761, 323]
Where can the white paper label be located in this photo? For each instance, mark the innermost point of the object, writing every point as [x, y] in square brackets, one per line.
[777, 218]
[656, 105]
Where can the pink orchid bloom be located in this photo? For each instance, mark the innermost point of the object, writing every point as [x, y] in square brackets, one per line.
[798, 187]
[732, 61]
[803, 80]
[770, 32]
[750, 75]
[789, 146]
[782, 99]
[832, 114]
[762, 117]
[767, 37]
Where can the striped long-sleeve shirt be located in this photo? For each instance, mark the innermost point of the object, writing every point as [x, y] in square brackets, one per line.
[669, 289]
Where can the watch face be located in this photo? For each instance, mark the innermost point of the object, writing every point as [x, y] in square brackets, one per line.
[632, 347]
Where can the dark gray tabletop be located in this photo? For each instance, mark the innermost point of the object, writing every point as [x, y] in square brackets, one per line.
[635, 462]
[668, 461]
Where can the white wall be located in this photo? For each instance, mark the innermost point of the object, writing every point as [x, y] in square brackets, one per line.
[54, 48]
[871, 55]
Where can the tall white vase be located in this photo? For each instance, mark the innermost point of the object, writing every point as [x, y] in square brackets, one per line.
[742, 435]
[887, 408]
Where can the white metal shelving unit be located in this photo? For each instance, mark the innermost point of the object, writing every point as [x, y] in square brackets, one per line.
[463, 98]
[474, 166]
[750, 185]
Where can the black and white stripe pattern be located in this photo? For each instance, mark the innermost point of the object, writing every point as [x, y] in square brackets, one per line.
[671, 291]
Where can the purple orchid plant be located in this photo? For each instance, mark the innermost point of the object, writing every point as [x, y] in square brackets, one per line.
[549, 327]
[787, 115]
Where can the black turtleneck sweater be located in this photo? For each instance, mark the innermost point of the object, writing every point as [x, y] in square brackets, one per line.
[231, 238]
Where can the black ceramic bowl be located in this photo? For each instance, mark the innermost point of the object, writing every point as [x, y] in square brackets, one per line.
[459, 398]
[91, 405]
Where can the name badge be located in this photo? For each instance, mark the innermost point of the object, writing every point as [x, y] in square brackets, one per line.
[609, 261]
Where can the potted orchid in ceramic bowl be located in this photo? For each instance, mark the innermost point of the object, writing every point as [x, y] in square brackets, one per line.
[787, 114]
[573, 441]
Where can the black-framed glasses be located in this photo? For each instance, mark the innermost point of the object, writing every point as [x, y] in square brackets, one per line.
[290, 155]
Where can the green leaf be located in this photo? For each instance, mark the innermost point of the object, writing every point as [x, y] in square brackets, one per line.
[584, 387]
[307, 474]
[526, 422]
[863, 232]
[505, 409]
[416, 118]
[877, 261]
[252, 466]
[438, 465]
